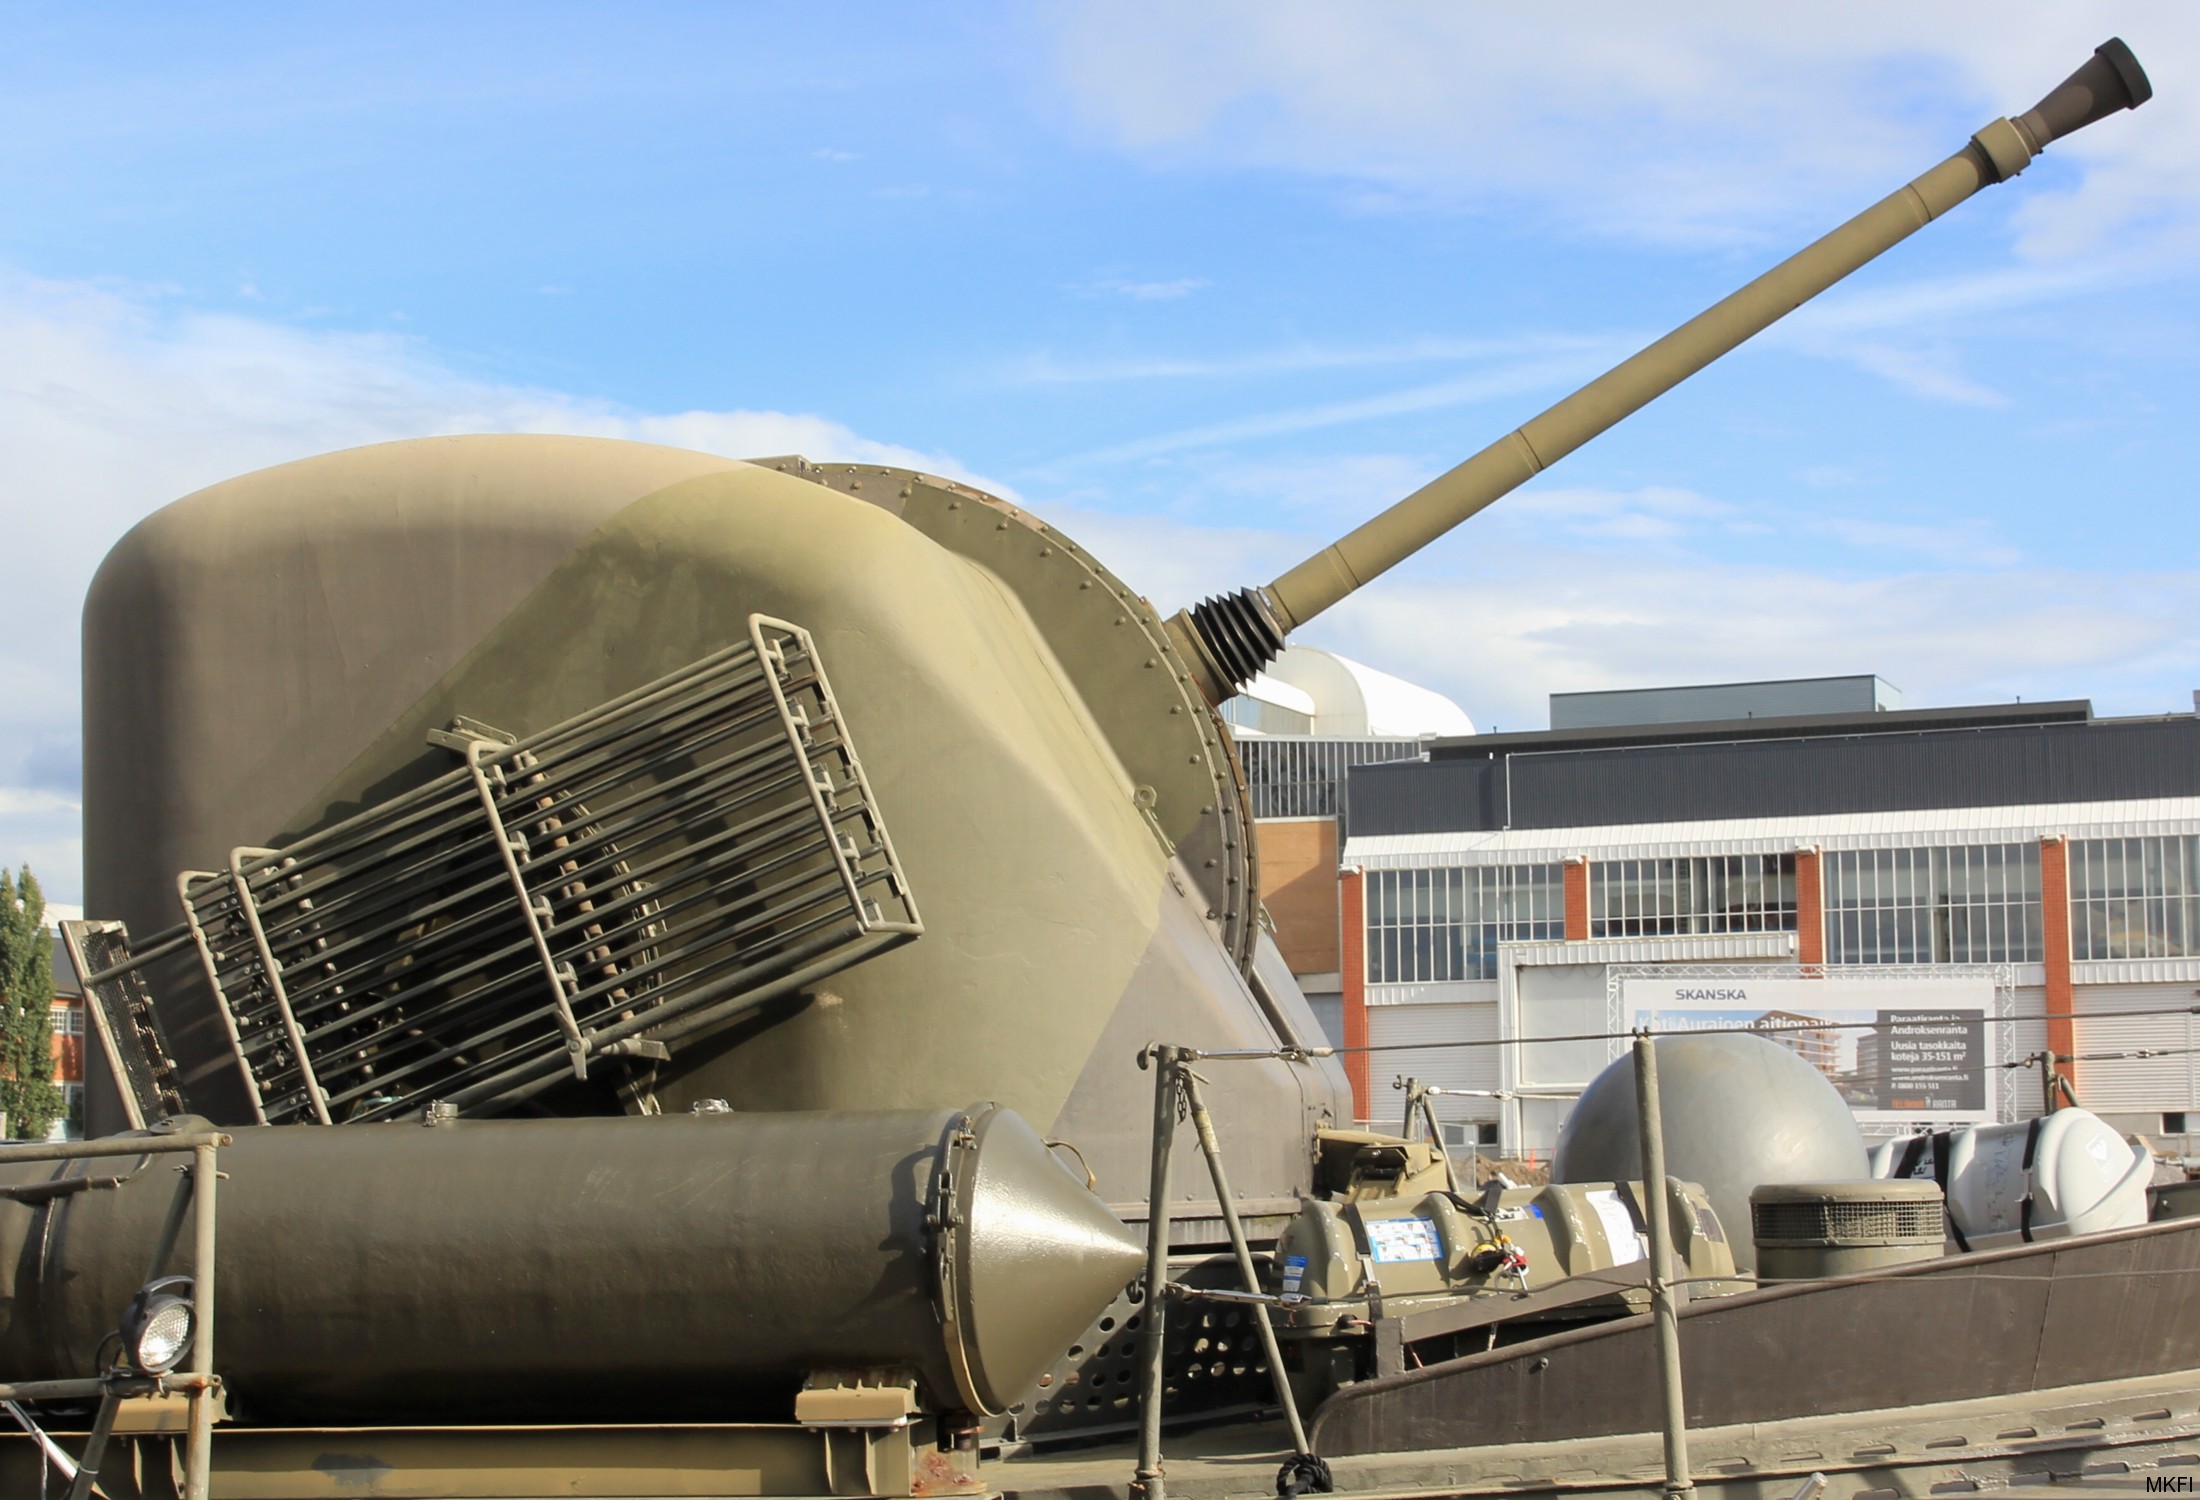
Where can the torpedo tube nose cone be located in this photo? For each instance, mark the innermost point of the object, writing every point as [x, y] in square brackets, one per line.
[1028, 1259]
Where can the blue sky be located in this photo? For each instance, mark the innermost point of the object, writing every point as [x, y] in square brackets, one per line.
[1204, 283]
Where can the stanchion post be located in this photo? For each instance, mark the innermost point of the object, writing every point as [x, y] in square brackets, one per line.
[95, 1449]
[1211, 1148]
[198, 1456]
[1664, 1311]
[1148, 1483]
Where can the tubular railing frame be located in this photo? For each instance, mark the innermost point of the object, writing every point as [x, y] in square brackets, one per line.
[199, 1383]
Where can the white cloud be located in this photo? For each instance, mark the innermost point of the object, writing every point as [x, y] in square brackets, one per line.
[1052, 369]
[1740, 125]
[111, 407]
[1655, 514]
[17, 802]
[1906, 333]
[1559, 621]
[1905, 544]
[1173, 562]
[1552, 594]
[1142, 291]
[1549, 372]
[1578, 113]
[39, 829]
[1334, 494]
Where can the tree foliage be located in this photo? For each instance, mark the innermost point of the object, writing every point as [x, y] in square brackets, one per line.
[27, 1091]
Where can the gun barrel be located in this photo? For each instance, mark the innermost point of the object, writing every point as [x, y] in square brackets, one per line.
[1236, 635]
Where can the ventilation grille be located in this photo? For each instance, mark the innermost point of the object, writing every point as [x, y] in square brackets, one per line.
[1894, 1221]
[582, 897]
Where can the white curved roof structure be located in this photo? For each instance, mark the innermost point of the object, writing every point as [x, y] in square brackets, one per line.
[1276, 694]
[1346, 699]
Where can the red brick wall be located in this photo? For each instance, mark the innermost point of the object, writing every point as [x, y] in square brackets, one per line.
[2062, 1035]
[68, 1059]
[1574, 875]
[1298, 884]
[1810, 909]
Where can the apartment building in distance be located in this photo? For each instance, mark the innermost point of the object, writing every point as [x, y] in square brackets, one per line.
[69, 1038]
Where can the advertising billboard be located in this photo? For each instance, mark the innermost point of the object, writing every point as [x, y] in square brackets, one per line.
[1901, 1051]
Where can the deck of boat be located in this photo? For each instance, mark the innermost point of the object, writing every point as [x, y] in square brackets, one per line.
[2103, 1439]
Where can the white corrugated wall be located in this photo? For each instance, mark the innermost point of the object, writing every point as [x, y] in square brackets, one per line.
[2028, 1034]
[2137, 1086]
[1413, 1027]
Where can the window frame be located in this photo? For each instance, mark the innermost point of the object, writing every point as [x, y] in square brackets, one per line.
[1438, 924]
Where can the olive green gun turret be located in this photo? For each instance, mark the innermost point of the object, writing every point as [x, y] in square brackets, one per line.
[1232, 637]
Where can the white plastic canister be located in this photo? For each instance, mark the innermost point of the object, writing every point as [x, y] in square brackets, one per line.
[2061, 1174]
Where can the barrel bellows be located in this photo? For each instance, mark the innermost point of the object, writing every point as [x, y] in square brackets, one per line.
[1239, 632]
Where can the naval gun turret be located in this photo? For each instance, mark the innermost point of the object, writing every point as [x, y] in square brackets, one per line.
[505, 772]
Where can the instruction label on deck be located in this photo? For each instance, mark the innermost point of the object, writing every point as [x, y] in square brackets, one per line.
[1403, 1239]
[1627, 1242]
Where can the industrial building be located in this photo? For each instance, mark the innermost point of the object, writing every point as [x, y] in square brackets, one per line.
[1301, 725]
[1922, 902]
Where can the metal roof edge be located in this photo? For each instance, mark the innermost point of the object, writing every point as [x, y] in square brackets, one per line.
[2153, 816]
[1793, 726]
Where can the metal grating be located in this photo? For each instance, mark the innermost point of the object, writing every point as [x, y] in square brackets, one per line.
[1291, 776]
[129, 1030]
[1849, 1222]
[600, 890]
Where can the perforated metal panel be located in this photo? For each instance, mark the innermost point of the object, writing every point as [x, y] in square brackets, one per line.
[1212, 1365]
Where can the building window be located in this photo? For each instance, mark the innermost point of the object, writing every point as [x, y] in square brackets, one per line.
[1978, 904]
[1305, 778]
[70, 1127]
[2135, 898]
[1426, 926]
[1716, 893]
[68, 1020]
